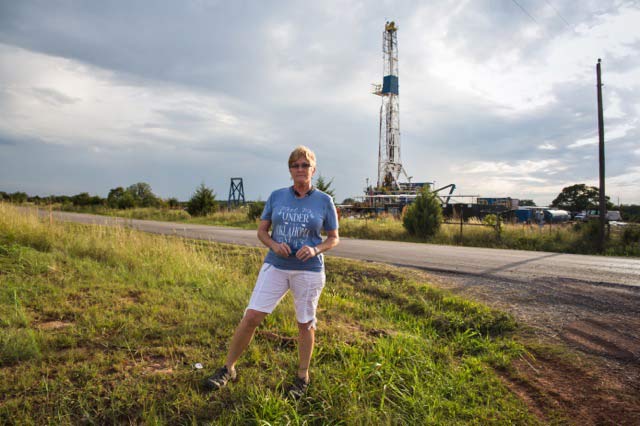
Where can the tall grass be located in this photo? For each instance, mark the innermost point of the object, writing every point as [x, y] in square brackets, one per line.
[561, 238]
[102, 325]
[234, 218]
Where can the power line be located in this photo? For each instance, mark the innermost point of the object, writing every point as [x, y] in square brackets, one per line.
[526, 13]
[560, 15]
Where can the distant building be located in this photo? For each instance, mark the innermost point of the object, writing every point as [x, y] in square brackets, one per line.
[508, 202]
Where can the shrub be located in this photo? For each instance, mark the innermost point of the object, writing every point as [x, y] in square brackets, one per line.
[118, 198]
[173, 203]
[18, 197]
[591, 230]
[255, 210]
[424, 215]
[631, 235]
[490, 219]
[202, 202]
[84, 199]
[325, 186]
[143, 195]
[136, 195]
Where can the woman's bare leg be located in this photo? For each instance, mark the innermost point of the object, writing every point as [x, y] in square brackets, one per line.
[243, 335]
[306, 339]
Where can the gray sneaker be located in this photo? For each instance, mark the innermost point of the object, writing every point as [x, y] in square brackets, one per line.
[220, 378]
[298, 388]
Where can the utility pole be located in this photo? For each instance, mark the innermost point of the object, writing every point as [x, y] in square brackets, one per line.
[603, 206]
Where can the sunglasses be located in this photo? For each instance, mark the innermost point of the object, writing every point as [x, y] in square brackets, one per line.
[300, 166]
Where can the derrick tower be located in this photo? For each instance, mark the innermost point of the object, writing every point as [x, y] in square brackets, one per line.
[389, 163]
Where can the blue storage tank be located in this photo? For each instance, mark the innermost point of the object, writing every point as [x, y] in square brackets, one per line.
[390, 84]
[524, 215]
[556, 216]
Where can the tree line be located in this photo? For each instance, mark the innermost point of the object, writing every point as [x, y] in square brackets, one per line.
[573, 198]
[138, 195]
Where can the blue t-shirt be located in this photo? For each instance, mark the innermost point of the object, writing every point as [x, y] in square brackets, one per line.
[298, 222]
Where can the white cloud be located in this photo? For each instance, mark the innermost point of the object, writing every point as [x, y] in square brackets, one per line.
[583, 142]
[618, 132]
[517, 169]
[222, 83]
[65, 102]
[547, 147]
[515, 85]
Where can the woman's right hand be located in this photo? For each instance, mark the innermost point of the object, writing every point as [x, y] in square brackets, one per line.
[281, 249]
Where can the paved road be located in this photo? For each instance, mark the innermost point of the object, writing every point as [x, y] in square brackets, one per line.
[489, 263]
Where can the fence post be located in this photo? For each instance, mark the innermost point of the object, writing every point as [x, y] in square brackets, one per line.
[461, 220]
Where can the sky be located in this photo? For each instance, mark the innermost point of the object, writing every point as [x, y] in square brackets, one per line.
[496, 96]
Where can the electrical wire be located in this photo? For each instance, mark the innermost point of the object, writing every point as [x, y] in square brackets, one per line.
[526, 13]
[569, 26]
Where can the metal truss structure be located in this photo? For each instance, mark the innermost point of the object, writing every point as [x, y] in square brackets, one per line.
[389, 162]
[236, 193]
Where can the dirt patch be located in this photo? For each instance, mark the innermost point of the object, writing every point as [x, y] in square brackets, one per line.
[594, 377]
[281, 341]
[350, 334]
[54, 325]
[606, 338]
[150, 365]
[157, 364]
[131, 298]
[572, 391]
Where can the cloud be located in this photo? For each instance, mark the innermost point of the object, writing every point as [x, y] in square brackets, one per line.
[617, 133]
[52, 96]
[547, 147]
[583, 142]
[176, 93]
[502, 168]
[113, 114]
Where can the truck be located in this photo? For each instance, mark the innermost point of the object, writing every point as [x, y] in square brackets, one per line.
[612, 215]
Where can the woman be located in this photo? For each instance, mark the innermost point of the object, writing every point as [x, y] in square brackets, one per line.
[295, 262]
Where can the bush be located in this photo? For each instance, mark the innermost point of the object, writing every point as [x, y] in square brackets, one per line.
[424, 215]
[136, 195]
[18, 197]
[631, 235]
[202, 202]
[255, 210]
[84, 199]
[118, 198]
[490, 219]
[173, 203]
[143, 195]
[591, 230]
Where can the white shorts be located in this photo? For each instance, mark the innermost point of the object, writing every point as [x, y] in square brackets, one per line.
[272, 284]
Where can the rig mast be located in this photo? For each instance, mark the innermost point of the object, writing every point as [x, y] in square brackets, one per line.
[389, 163]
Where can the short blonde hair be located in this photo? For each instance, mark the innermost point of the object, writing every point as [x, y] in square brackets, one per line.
[302, 151]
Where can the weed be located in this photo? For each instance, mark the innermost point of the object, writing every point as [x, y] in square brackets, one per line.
[104, 325]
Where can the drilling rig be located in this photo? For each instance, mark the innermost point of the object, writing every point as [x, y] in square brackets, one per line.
[389, 163]
[390, 194]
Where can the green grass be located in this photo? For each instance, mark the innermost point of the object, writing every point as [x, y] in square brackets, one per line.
[235, 218]
[102, 325]
[559, 238]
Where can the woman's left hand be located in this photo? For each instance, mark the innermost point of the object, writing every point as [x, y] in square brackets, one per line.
[306, 252]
